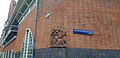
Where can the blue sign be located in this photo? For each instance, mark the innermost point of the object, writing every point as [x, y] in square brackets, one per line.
[79, 31]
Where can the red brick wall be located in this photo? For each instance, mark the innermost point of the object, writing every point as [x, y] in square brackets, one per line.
[1, 49]
[101, 16]
[28, 22]
[11, 8]
[10, 46]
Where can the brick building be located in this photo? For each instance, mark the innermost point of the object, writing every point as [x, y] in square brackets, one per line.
[62, 29]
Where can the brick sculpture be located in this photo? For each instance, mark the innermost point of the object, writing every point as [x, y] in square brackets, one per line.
[58, 37]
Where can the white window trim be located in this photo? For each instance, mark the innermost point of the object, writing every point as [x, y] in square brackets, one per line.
[28, 12]
[25, 45]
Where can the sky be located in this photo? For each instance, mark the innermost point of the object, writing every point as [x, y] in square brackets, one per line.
[4, 9]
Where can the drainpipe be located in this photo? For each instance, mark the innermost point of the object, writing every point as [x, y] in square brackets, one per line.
[35, 24]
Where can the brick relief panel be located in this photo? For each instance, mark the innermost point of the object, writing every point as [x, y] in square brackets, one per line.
[58, 37]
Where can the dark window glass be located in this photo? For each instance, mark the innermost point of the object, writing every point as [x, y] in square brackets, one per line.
[19, 15]
[28, 1]
[24, 8]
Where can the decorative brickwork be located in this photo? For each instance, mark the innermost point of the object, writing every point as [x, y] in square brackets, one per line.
[58, 37]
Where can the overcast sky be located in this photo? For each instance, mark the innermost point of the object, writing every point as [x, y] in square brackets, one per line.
[4, 9]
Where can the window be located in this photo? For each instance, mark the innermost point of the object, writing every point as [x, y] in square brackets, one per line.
[27, 45]
[28, 1]
[0, 54]
[24, 8]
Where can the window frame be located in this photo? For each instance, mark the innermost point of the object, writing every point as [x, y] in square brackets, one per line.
[27, 45]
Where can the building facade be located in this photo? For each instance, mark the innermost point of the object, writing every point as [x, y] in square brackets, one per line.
[62, 29]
